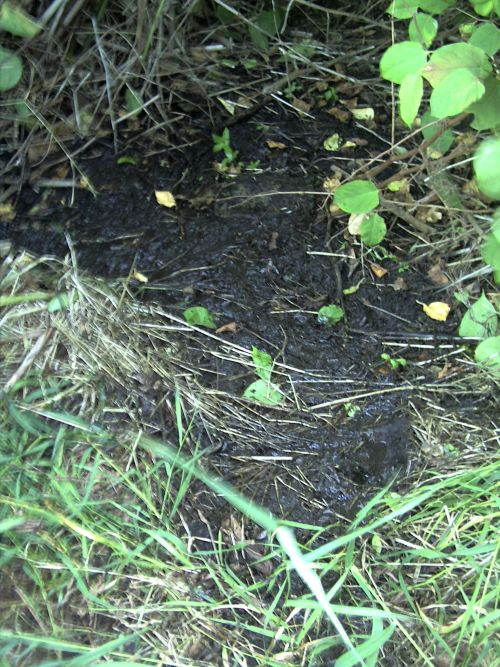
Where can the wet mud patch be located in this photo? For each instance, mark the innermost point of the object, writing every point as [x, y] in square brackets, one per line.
[260, 251]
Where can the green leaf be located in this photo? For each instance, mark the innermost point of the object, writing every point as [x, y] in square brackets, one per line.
[264, 392]
[423, 29]
[488, 354]
[11, 69]
[486, 37]
[15, 20]
[357, 197]
[410, 97]
[403, 9]
[441, 145]
[331, 143]
[451, 57]
[491, 247]
[487, 167]
[402, 59]
[436, 6]
[330, 315]
[482, 7]
[133, 101]
[263, 363]
[373, 230]
[58, 302]
[199, 316]
[265, 25]
[485, 110]
[480, 320]
[455, 93]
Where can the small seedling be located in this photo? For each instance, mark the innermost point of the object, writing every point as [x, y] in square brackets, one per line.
[395, 364]
[222, 143]
[351, 409]
[263, 390]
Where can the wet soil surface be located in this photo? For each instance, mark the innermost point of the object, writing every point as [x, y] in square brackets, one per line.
[260, 249]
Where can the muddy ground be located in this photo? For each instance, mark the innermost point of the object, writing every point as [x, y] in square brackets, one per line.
[244, 246]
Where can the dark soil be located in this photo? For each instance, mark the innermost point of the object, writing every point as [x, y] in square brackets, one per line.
[243, 246]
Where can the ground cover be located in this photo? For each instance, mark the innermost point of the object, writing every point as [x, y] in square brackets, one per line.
[374, 437]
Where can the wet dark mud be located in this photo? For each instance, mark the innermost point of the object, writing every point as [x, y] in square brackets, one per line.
[259, 248]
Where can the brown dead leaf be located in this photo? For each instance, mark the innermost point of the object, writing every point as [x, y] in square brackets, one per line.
[273, 241]
[275, 144]
[350, 103]
[399, 284]
[301, 105]
[230, 327]
[377, 270]
[446, 371]
[341, 115]
[436, 274]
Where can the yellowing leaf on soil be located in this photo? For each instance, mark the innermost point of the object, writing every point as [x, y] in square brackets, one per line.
[7, 211]
[275, 144]
[363, 114]
[140, 277]
[165, 198]
[355, 222]
[377, 270]
[437, 310]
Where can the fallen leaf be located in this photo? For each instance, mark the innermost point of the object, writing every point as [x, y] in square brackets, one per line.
[275, 144]
[363, 114]
[301, 105]
[436, 274]
[331, 184]
[437, 310]
[399, 284]
[7, 212]
[355, 222]
[340, 114]
[377, 270]
[273, 241]
[165, 198]
[230, 327]
[140, 277]
[348, 144]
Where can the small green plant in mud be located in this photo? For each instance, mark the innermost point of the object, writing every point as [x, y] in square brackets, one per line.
[330, 315]
[395, 363]
[17, 22]
[263, 390]
[481, 321]
[222, 144]
[199, 316]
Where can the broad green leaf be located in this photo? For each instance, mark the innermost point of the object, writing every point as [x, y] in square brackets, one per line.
[488, 354]
[15, 20]
[373, 230]
[133, 101]
[439, 147]
[486, 110]
[435, 6]
[331, 143]
[265, 25]
[11, 69]
[264, 392]
[486, 37]
[199, 316]
[451, 57]
[491, 247]
[402, 59]
[403, 9]
[482, 7]
[330, 315]
[263, 363]
[487, 167]
[357, 197]
[58, 302]
[410, 97]
[423, 29]
[455, 93]
[480, 320]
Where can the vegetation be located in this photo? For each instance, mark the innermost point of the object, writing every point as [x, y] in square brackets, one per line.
[120, 546]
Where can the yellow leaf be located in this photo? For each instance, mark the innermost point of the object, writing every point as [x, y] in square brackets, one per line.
[363, 114]
[437, 310]
[275, 144]
[165, 198]
[140, 277]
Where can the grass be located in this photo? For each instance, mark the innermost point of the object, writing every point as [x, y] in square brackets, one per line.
[122, 548]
